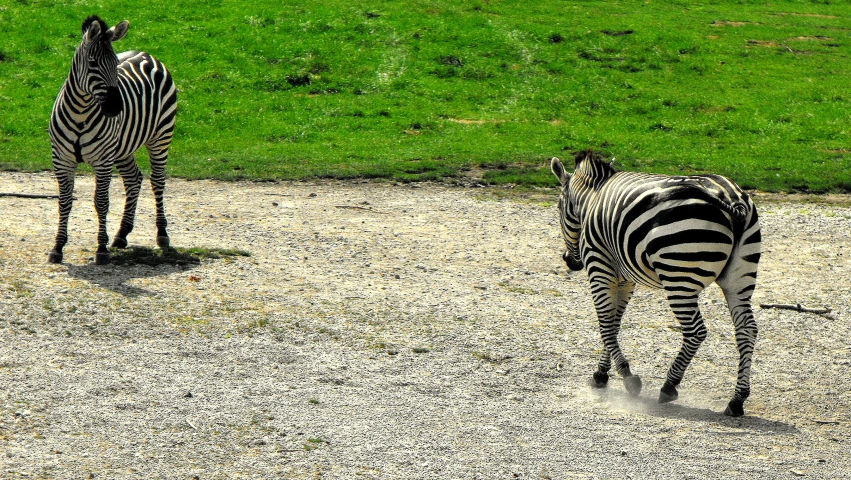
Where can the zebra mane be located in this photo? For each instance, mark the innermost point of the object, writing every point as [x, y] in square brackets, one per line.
[594, 165]
[94, 19]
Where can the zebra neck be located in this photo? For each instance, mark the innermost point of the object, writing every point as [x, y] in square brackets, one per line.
[584, 191]
[76, 77]
[77, 104]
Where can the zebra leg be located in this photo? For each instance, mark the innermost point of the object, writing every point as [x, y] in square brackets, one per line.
[103, 176]
[610, 299]
[601, 376]
[158, 160]
[738, 282]
[66, 195]
[694, 333]
[132, 178]
[746, 332]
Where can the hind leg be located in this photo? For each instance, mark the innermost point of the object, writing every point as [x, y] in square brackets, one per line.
[103, 176]
[159, 155]
[738, 282]
[739, 301]
[132, 177]
[746, 332]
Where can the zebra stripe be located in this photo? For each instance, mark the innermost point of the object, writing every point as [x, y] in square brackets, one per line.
[678, 233]
[109, 107]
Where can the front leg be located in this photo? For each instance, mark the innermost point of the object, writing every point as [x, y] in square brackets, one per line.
[610, 299]
[623, 294]
[65, 179]
[103, 175]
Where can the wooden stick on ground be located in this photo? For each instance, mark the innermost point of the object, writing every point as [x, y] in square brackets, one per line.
[28, 195]
[796, 307]
[357, 207]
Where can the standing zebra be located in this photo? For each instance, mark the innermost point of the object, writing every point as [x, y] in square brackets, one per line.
[675, 233]
[109, 107]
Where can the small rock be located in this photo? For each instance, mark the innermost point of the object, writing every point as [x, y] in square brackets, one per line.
[188, 395]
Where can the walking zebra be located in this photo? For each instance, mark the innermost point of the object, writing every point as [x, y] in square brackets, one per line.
[109, 106]
[676, 233]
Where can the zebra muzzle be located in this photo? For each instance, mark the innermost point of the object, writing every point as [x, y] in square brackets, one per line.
[573, 262]
[110, 102]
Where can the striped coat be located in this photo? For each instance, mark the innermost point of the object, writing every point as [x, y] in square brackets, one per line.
[109, 106]
[679, 234]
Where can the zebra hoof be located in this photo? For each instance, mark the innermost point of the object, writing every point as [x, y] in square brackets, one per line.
[119, 242]
[632, 384]
[668, 395]
[600, 380]
[102, 258]
[54, 257]
[163, 242]
[736, 408]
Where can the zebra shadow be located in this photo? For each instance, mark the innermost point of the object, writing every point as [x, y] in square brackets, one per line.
[130, 264]
[648, 405]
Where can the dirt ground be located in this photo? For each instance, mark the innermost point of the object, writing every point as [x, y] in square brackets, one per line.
[385, 331]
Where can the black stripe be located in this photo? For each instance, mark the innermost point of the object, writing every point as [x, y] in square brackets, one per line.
[704, 256]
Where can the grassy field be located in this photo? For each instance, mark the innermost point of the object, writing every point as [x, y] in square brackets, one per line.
[430, 89]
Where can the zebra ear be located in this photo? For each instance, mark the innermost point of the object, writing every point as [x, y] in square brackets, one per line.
[117, 32]
[558, 170]
[92, 32]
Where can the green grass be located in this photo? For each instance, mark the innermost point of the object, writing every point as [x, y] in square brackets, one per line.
[432, 89]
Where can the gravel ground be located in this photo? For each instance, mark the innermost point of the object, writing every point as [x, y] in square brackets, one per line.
[385, 331]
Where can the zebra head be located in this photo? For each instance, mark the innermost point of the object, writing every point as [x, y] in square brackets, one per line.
[568, 217]
[96, 65]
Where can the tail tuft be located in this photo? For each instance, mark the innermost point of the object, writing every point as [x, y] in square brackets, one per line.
[739, 211]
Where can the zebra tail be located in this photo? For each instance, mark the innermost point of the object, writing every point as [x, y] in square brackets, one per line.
[737, 208]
